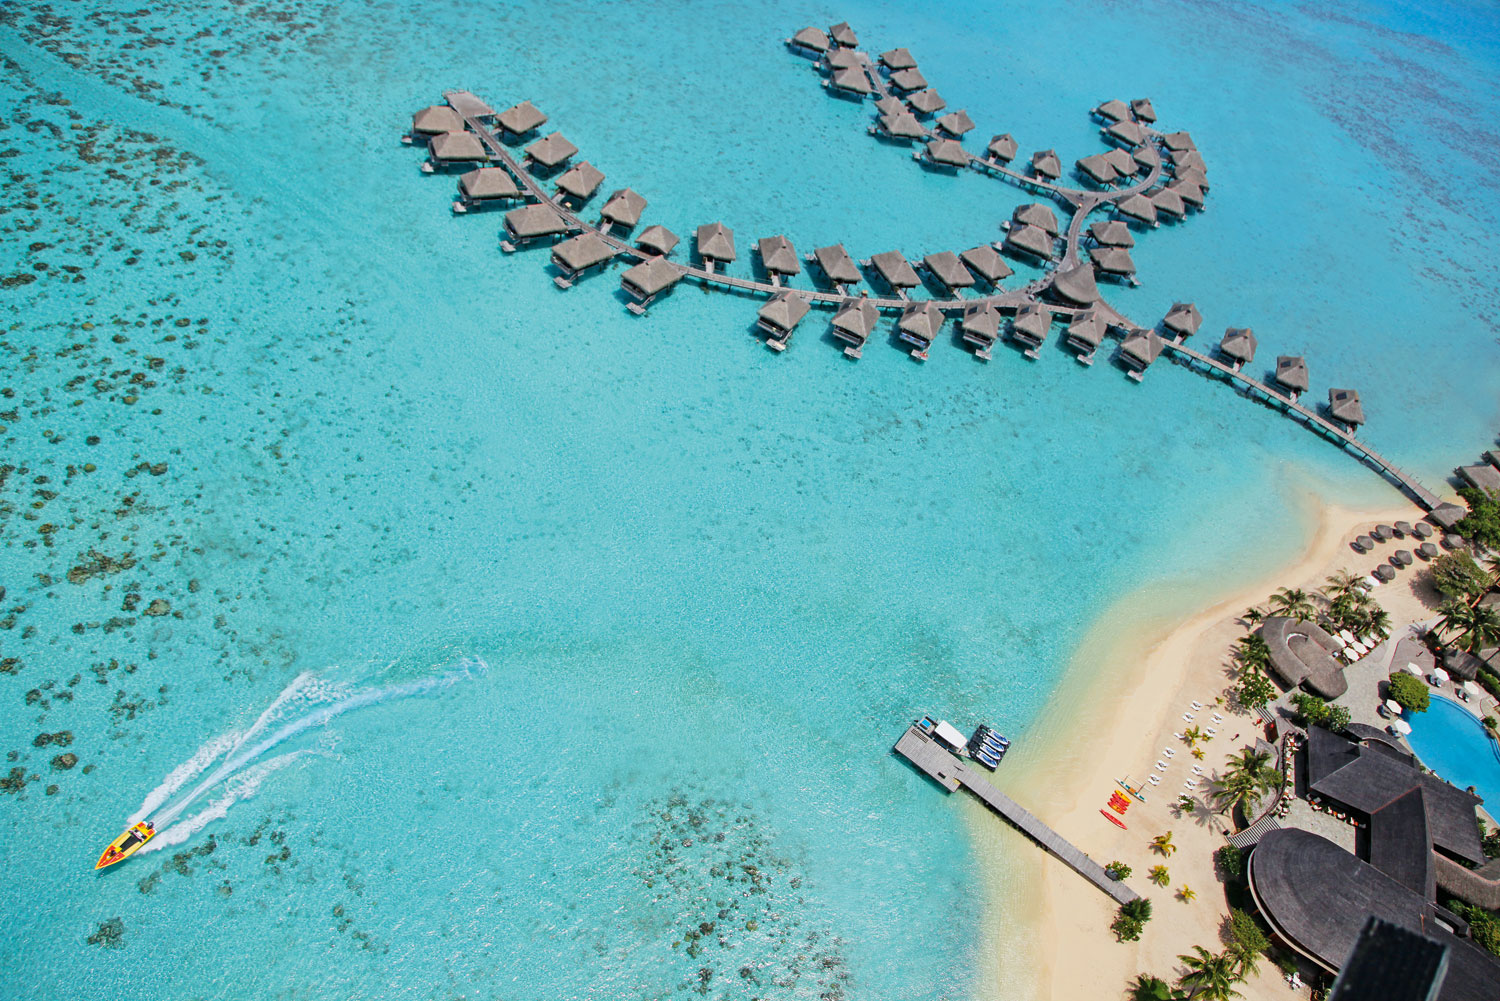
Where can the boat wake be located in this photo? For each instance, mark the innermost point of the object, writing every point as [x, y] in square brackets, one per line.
[231, 767]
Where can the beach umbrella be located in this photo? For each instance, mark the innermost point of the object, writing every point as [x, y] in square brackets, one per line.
[1414, 669]
[1384, 532]
[1385, 572]
[1439, 675]
[1472, 688]
[1393, 706]
[1453, 540]
[1401, 726]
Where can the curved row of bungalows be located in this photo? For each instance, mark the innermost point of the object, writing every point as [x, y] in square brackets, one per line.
[945, 154]
[779, 317]
[533, 224]
[715, 245]
[778, 258]
[1238, 346]
[895, 270]
[948, 272]
[853, 324]
[926, 103]
[657, 240]
[919, 326]
[578, 183]
[623, 208]
[838, 268]
[1085, 334]
[580, 254]
[454, 151]
[1029, 328]
[549, 152]
[1182, 321]
[518, 121]
[980, 327]
[485, 187]
[1138, 350]
[648, 280]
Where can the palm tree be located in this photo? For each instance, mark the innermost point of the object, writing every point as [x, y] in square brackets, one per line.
[1158, 875]
[1249, 775]
[1252, 653]
[1163, 843]
[1294, 603]
[1186, 804]
[1473, 628]
[1149, 988]
[1210, 977]
[1380, 621]
[1192, 734]
[1253, 614]
[1343, 584]
[1187, 893]
[1198, 753]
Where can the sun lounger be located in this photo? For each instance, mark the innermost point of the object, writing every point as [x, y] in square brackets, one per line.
[1210, 731]
[1197, 769]
[1153, 780]
[1179, 736]
[1188, 717]
[1197, 706]
[1188, 785]
[1161, 766]
[1169, 752]
[1218, 718]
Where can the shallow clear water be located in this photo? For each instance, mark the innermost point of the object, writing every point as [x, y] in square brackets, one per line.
[339, 433]
[1450, 741]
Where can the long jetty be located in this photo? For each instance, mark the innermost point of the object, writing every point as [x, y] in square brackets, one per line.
[950, 772]
[1078, 203]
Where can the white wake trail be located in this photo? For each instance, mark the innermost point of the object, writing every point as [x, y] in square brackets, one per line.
[201, 759]
[240, 787]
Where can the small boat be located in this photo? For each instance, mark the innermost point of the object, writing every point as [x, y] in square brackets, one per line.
[127, 844]
[986, 759]
[1114, 820]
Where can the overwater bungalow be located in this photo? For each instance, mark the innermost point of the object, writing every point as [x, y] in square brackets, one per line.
[656, 240]
[777, 256]
[1125, 164]
[580, 254]
[842, 59]
[518, 120]
[896, 271]
[1142, 109]
[551, 151]
[945, 153]
[779, 317]
[853, 324]
[580, 181]
[433, 121]
[1002, 148]
[1045, 164]
[1084, 335]
[890, 106]
[1029, 241]
[648, 280]
[1128, 133]
[1192, 175]
[926, 103]
[468, 105]
[985, 262]
[1075, 285]
[956, 123]
[1189, 160]
[1036, 214]
[623, 208]
[948, 270]
[1182, 320]
[715, 242]
[843, 35]
[1145, 157]
[531, 223]
[837, 266]
[1113, 262]
[1112, 111]
[1176, 141]
[1137, 207]
[1189, 192]
[853, 81]
[1291, 374]
[454, 151]
[1343, 406]
[485, 187]
[1030, 326]
[1098, 169]
[898, 59]
[980, 327]
[919, 326]
[1482, 476]
[809, 41]
[902, 126]
[1168, 202]
[1111, 233]
[1138, 350]
[908, 81]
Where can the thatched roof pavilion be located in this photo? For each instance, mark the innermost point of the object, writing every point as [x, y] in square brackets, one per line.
[624, 207]
[650, 278]
[485, 183]
[1114, 111]
[1142, 109]
[1076, 285]
[844, 35]
[898, 59]
[657, 240]
[853, 80]
[1140, 348]
[1238, 345]
[1291, 373]
[837, 265]
[842, 59]
[1183, 319]
[1045, 163]
[855, 320]
[1123, 162]
[1138, 207]
[586, 250]
[1099, 169]
[782, 314]
[1170, 202]
[456, 147]
[532, 221]
[956, 123]
[1086, 332]
[1112, 261]
[908, 80]
[948, 269]
[551, 150]
[521, 118]
[1343, 404]
[1003, 148]
[895, 269]
[1128, 133]
[926, 102]
[903, 125]
[812, 39]
[1189, 192]
[1189, 160]
[1031, 324]
[580, 180]
[778, 256]
[436, 120]
[1036, 214]
[980, 324]
[987, 263]
[1178, 141]
[1029, 240]
[1112, 233]
[947, 153]
[920, 323]
[715, 242]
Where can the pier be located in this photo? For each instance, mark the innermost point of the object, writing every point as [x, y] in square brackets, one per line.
[1057, 290]
[952, 773]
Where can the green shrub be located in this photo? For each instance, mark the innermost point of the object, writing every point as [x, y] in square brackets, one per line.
[1456, 575]
[1117, 870]
[1230, 860]
[1482, 523]
[1490, 682]
[1483, 925]
[1254, 690]
[1131, 920]
[1409, 691]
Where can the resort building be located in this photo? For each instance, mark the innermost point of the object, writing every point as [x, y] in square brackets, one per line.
[1302, 654]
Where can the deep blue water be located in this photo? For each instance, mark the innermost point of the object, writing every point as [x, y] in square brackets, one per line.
[676, 587]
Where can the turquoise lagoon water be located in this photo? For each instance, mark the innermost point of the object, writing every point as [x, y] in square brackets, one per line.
[577, 640]
[1454, 744]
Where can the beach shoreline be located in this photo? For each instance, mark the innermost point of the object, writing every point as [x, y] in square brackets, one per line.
[1167, 644]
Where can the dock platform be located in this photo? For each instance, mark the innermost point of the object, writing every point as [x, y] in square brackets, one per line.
[952, 773]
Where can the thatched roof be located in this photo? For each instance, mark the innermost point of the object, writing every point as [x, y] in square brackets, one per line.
[1112, 233]
[624, 207]
[1137, 206]
[1115, 110]
[1097, 167]
[1031, 240]
[854, 80]
[903, 125]
[1189, 192]
[1168, 201]
[844, 35]
[895, 269]
[857, 317]
[1122, 162]
[956, 123]
[1003, 148]
[898, 59]
[657, 240]
[715, 242]
[948, 269]
[1036, 214]
[1145, 157]
[1192, 175]
[1046, 164]
[1128, 133]
[890, 106]
[1178, 141]
[1291, 372]
[1140, 348]
[1076, 285]
[531, 221]
[1142, 109]
[777, 255]
[551, 150]
[456, 147]
[1087, 329]
[986, 262]
[489, 182]
[1343, 404]
[1183, 318]
[911, 79]
[982, 320]
[651, 276]
[467, 105]
[922, 320]
[1302, 654]
[947, 152]
[1032, 322]
[522, 118]
[581, 180]
[1112, 260]
[1190, 160]
[842, 59]
[812, 38]
[583, 251]
[837, 264]
[784, 311]
[926, 102]
[436, 120]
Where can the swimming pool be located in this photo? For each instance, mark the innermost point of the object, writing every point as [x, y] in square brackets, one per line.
[1453, 743]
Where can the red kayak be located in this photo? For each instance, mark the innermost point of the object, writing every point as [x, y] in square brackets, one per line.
[1114, 820]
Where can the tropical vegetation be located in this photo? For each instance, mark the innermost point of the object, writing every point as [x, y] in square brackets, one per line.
[1246, 940]
[1456, 575]
[1149, 988]
[1247, 776]
[1470, 627]
[1482, 523]
[1210, 976]
[1294, 603]
[1316, 712]
[1131, 919]
[1230, 860]
[1186, 894]
[1117, 870]
[1254, 690]
[1163, 843]
[1158, 875]
[1409, 692]
[1484, 926]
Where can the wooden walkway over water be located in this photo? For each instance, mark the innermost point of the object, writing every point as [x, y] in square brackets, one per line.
[952, 773]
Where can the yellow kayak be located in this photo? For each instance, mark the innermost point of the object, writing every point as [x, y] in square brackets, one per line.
[127, 844]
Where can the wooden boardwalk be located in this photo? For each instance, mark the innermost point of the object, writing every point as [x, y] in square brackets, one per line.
[951, 772]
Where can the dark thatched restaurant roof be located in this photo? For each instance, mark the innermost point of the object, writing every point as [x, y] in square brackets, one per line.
[715, 242]
[583, 251]
[1076, 285]
[947, 152]
[1112, 233]
[581, 180]
[837, 264]
[456, 147]
[986, 262]
[1003, 147]
[1183, 318]
[651, 276]
[948, 269]
[522, 118]
[1031, 240]
[624, 207]
[436, 120]
[551, 150]
[926, 102]
[895, 269]
[1343, 404]
[657, 240]
[956, 123]
[898, 59]
[489, 182]
[778, 255]
[1291, 372]
[1302, 654]
[1239, 343]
